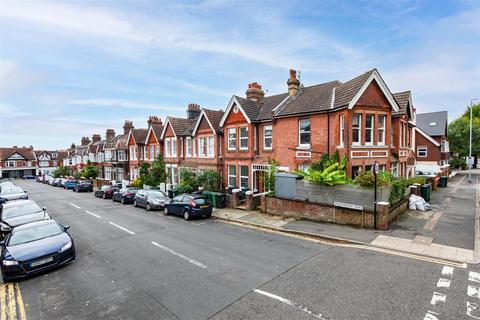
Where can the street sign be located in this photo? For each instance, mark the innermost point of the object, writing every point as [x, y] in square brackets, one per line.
[375, 167]
[470, 160]
[347, 205]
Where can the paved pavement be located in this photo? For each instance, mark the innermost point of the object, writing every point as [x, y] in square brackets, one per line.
[137, 265]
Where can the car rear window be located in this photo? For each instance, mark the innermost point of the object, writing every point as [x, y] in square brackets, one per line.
[200, 201]
[34, 233]
[20, 210]
[86, 182]
[156, 194]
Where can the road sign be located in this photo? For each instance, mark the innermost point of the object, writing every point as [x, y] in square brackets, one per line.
[347, 205]
[470, 160]
[375, 167]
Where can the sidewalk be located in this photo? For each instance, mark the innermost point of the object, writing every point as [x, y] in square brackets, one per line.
[446, 232]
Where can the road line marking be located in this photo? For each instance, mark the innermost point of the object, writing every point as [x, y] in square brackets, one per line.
[121, 228]
[74, 205]
[443, 283]
[12, 304]
[195, 262]
[430, 315]
[21, 307]
[3, 307]
[93, 214]
[438, 297]
[291, 303]
[473, 291]
[447, 271]
[471, 308]
[474, 276]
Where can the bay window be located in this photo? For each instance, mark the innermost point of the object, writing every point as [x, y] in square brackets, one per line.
[188, 150]
[356, 127]
[232, 176]
[244, 138]
[174, 147]
[232, 139]
[201, 147]
[152, 152]
[304, 133]
[267, 137]
[342, 130]
[167, 147]
[381, 130]
[369, 129]
[211, 146]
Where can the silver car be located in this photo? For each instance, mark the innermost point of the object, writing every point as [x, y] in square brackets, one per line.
[15, 193]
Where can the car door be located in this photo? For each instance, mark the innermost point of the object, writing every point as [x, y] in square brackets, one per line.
[177, 204]
[140, 197]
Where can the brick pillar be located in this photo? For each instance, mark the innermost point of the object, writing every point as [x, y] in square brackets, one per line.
[263, 203]
[249, 198]
[235, 198]
[382, 215]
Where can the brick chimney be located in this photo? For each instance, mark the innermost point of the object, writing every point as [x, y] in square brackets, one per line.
[15, 147]
[110, 134]
[72, 146]
[127, 126]
[293, 83]
[96, 138]
[153, 120]
[193, 111]
[255, 92]
[85, 141]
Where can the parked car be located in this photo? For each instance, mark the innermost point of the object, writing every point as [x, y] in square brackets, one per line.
[47, 179]
[15, 213]
[189, 206]
[83, 185]
[6, 185]
[125, 195]
[69, 184]
[35, 247]
[106, 192]
[51, 180]
[15, 193]
[150, 199]
[29, 177]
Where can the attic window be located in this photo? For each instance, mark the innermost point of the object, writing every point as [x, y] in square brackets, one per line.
[433, 124]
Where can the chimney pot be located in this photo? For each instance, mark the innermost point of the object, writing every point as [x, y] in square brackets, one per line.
[127, 126]
[110, 134]
[293, 83]
[153, 120]
[254, 91]
[193, 111]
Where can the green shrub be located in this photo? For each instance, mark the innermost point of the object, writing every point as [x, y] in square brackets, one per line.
[397, 192]
[367, 178]
[188, 181]
[330, 175]
[458, 163]
[137, 183]
[210, 180]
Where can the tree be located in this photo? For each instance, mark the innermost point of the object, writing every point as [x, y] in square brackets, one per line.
[188, 181]
[144, 173]
[157, 173]
[61, 172]
[459, 133]
[210, 180]
[90, 171]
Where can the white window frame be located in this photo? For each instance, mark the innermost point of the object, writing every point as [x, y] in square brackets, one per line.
[168, 147]
[234, 139]
[188, 145]
[202, 147]
[359, 128]
[372, 125]
[304, 145]
[151, 155]
[422, 149]
[211, 146]
[381, 130]
[242, 178]
[234, 176]
[265, 128]
[342, 130]
[444, 146]
[242, 138]
[174, 147]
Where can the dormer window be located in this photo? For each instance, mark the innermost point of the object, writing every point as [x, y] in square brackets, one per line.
[433, 124]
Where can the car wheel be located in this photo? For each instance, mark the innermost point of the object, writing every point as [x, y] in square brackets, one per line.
[208, 215]
[134, 203]
[186, 215]
[123, 200]
[165, 211]
[148, 207]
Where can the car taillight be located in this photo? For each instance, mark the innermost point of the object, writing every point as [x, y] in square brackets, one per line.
[192, 203]
[129, 194]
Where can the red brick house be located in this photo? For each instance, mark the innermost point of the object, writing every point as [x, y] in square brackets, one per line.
[153, 142]
[116, 163]
[49, 161]
[17, 162]
[136, 151]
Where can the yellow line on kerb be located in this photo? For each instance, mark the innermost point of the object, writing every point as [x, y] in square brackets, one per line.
[12, 304]
[21, 307]
[3, 306]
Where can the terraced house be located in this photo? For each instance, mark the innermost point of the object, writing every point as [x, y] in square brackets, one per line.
[153, 142]
[116, 166]
[17, 162]
[136, 151]
[49, 161]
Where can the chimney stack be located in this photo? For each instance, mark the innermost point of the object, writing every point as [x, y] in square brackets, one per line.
[110, 134]
[153, 120]
[96, 138]
[255, 92]
[85, 141]
[193, 111]
[127, 126]
[293, 83]
[15, 147]
[72, 146]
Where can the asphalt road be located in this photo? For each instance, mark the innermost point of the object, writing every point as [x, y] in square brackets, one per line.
[137, 265]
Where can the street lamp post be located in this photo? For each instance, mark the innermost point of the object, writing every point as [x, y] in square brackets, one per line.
[375, 172]
[470, 148]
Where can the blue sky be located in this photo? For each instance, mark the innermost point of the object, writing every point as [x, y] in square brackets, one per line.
[70, 69]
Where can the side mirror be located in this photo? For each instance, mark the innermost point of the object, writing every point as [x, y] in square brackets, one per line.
[66, 227]
[44, 208]
[2, 242]
[25, 191]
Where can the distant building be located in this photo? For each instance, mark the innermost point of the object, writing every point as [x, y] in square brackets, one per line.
[49, 161]
[17, 162]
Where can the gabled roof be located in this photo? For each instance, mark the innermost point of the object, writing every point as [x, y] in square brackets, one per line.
[433, 123]
[26, 153]
[429, 138]
[180, 126]
[156, 129]
[404, 101]
[213, 117]
[139, 135]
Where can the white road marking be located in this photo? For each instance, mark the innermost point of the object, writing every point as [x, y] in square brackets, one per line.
[443, 283]
[121, 228]
[473, 291]
[93, 214]
[195, 262]
[74, 205]
[291, 303]
[473, 308]
[447, 271]
[438, 297]
[474, 276]
[430, 315]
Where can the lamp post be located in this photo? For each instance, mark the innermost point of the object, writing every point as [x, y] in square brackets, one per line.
[375, 172]
[470, 148]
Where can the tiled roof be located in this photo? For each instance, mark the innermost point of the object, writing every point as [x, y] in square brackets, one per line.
[157, 129]
[347, 91]
[139, 135]
[402, 98]
[182, 126]
[249, 106]
[433, 123]
[27, 153]
[214, 116]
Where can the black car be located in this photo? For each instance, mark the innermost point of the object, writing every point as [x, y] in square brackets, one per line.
[35, 247]
[189, 206]
[83, 185]
[106, 192]
[29, 177]
[16, 213]
[125, 195]
[150, 199]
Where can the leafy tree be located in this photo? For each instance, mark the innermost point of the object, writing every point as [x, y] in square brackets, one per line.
[158, 172]
[89, 171]
[77, 175]
[210, 180]
[459, 133]
[188, 181]
[144, 174]
[61, 172]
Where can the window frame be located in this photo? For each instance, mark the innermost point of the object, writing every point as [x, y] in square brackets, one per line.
[234, 139]
[211, 146]
[300, 132]
[242, 138]
[381, 129]
[174, 147]
[230, 176]
[168, 147]
[188, 147]
[242, 177]
[370, 128]
[426, 151]
[202, 147]
[342, 130]
[265, 128]
[359, 128]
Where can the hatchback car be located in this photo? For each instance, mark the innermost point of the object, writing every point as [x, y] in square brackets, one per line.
[16, 213]
[150, 199]
[83, 185]
[6, 185]
[15, 193]
[35, 247]
[106, 192]
[69, 184]
[189, 206]
[125, 195]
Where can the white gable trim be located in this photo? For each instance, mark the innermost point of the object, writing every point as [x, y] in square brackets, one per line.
[197, 124]
[148, 135]
[233, 101]
[332, 103]
[375, 75]
[167, 123]
[16, 156]
[427, 136]
[128, 138]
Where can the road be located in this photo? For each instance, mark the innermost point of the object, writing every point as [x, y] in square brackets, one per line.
[132, 264]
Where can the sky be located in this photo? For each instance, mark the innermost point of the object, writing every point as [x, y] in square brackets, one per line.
[75, 68]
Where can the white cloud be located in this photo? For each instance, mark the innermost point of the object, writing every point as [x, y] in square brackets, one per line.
[118, 103]
[9, 111]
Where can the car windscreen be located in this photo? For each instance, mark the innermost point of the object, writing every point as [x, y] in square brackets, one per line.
[34, 233]
[131, 190]
[20, 210]
[156, 194]
[200, 201]
[12, 191]
[87, 183]
[106, 187]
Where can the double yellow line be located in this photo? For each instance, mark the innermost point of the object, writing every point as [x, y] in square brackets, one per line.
[11, 302]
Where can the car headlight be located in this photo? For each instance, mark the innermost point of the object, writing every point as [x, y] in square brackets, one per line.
[66, 247]
[10, 263]
[4, 227]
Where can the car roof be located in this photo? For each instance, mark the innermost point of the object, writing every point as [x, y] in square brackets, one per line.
[34, 224]
[17, 203]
